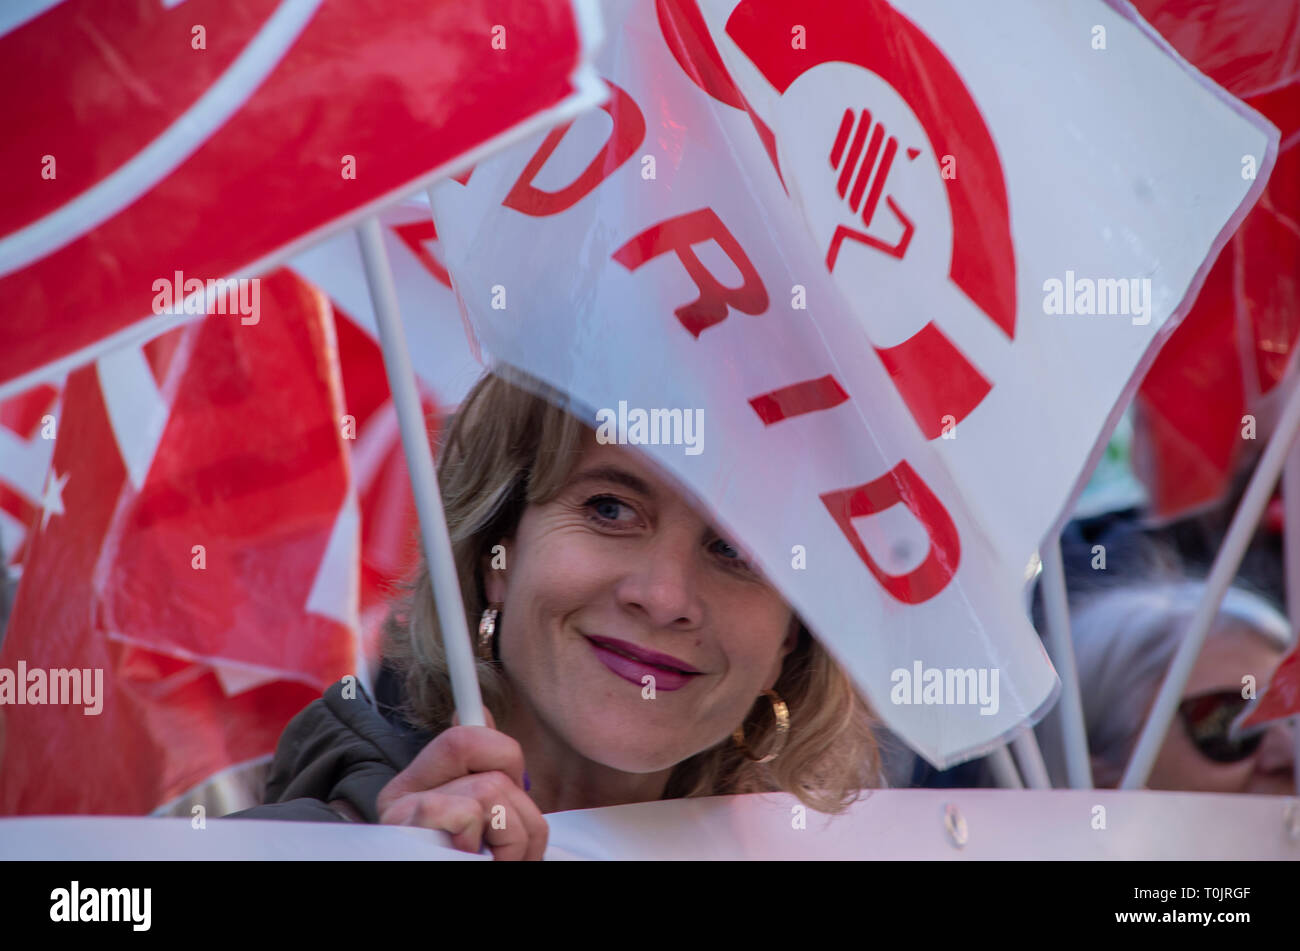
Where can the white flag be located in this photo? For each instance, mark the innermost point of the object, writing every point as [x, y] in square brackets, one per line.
[905, 259]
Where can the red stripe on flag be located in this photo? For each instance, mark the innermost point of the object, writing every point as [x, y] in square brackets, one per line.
[873, 199]
[841, 138]
[846, 173]
[799, 398]
[868, 163]
[22, 413]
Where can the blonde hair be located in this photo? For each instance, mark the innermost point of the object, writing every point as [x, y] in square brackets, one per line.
[507, 448]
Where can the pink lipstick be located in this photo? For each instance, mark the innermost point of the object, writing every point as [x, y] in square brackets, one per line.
[633, 663]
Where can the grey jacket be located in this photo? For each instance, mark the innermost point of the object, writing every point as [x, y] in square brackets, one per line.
[333, 759]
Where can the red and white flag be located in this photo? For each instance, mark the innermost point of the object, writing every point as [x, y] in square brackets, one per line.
[444, 365]
[436, 336]
[197, 141]
[905, 260]
[197, 545]
[28, 426]
[389, 546]
[182, 144]
[387, 542]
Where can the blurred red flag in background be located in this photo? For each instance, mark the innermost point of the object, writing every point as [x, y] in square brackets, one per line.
[198, 537]
[182, 715]
[292, 118]
[1230, 355]
[197, 543]
[1230, 352]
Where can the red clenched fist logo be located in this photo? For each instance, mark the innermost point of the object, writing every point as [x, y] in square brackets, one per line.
[862, 153]
[844, 159]
[935, 379]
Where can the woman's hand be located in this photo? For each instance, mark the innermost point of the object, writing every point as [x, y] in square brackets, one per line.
[456, 785]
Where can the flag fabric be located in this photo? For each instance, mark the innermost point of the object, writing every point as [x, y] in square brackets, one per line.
[225, 140]
[436, 336]
[227, 136]
[906, 261]
[28, 420]
[1229, 357]
[387, 547]
[445, 367]
[1281, 695]
[28, 424]
[195, 557]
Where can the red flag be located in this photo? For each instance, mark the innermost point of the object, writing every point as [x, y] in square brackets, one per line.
[27, 430]
[1233, 348]
[1281, 698]
[198, 546]
[163, 144]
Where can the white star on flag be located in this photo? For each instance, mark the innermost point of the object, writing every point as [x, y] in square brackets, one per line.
[52, 499]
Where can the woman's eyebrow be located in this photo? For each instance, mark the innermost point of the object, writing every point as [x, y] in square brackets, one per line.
[616, 475]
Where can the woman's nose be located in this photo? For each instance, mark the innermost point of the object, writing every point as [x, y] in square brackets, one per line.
[664, 584]
[1277, 752]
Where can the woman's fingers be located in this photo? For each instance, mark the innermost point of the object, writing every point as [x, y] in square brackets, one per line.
[513, 826]
[455, 752]
[461, 817]
[467, 782]
[482, 807]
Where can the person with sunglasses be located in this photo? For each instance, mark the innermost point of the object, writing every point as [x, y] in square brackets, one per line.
[1125, 637]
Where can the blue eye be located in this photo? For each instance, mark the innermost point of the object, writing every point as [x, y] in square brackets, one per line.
[729, 548]
[606, 507]
[730, 553]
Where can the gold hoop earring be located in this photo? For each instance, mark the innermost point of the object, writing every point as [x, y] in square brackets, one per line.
[487, 626]
[782, 715]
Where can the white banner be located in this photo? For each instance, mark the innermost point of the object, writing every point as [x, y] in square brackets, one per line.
[906, 342]
[930, 824]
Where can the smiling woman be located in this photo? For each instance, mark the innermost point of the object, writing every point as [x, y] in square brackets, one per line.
[627, 653]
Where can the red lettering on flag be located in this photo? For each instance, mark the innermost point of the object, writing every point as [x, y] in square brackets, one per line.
[677, 235]
[624, 139]
[901, 484]
[799, 398]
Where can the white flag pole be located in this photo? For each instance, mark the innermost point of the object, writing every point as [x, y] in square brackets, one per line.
[1004, 769]
[1224, 570]
[1060, 648]
[424, 481]
[1030, 758]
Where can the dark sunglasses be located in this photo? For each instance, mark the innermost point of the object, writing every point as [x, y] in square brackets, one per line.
[1208, 719]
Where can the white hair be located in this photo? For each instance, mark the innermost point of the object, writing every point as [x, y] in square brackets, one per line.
[1125, 638]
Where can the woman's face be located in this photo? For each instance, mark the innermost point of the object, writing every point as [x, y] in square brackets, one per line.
[617, 562]
[1227, 657]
